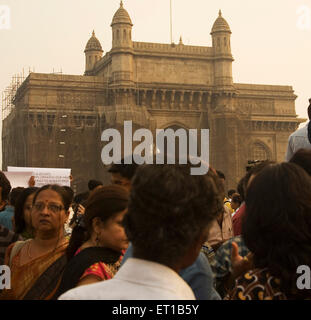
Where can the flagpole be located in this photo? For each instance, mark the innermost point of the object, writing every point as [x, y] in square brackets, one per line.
[171, 27]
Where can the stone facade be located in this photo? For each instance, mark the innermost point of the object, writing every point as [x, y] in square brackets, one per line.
[58, 119]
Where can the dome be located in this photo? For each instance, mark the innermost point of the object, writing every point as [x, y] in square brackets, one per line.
[121, 16]
[93, 44]
[220, 24]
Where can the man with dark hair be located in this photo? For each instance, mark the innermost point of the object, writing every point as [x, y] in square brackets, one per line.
[300, 139]
[168, 218]
[123, 173]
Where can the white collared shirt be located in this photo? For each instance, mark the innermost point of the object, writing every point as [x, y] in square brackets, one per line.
[137, 279]
[297, 140]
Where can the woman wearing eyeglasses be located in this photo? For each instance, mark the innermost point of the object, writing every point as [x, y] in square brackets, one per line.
[36, 264]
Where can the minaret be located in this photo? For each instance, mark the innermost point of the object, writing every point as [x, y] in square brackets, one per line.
[93, 52]
[122, 47]
[221, 34]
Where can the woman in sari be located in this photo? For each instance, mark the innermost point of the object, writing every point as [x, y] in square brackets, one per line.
[98, 241]
[36, 264]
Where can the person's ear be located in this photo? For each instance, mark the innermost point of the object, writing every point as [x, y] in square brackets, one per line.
[194, 249]
[96, 224]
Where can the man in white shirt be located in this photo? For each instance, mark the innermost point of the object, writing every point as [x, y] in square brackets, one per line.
[300, 139]
[167, 221]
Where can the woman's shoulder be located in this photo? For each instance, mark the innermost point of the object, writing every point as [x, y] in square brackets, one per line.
[13, 250]
[103, 270]
[257, 284]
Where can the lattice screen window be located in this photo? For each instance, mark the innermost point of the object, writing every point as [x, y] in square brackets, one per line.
[258, 152]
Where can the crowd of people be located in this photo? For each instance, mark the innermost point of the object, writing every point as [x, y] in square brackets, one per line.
[157, 232]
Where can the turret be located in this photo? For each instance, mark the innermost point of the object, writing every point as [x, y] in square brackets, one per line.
[93, 52]
[221, 34]
[122, 48]
[121, 29]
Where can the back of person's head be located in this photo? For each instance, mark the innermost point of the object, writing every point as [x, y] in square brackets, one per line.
[221, 175]
[231, 192]
[253, 172]
[14, 195]
[19, 218]
[309, 109]
[103, 203]
[125, 170]
[80, 198]
[92, 184]
[277, 224]
[302, 158]
[70, 192]
[5, 186]
[236, 198]
[169, 211]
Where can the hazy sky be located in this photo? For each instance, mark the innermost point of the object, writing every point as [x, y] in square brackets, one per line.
[271, 39]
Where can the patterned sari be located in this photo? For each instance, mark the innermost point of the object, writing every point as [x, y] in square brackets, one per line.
[37, 279]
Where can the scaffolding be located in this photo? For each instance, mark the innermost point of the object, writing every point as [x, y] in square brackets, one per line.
[9, 93]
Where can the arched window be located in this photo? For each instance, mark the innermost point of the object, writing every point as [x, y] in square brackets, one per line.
[225, 41]
[118, 34]
[258, 151]
[124, 34]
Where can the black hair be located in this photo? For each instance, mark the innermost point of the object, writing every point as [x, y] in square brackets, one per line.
[241, 188]
[231, 192]
[81, 197]
[236, 198]
[168, 211]
[70, 192]
[302, 158]
[104, 203]
[5, 185]
[19, 218]
[14, 195]
[277, 224]
[92, 184]
[253, 171]
[125, 170]
[221, 175]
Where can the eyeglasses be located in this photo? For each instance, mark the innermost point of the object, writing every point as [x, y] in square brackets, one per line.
[52, 207]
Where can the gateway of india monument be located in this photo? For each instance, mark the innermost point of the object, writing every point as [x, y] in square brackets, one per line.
[56, 120]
